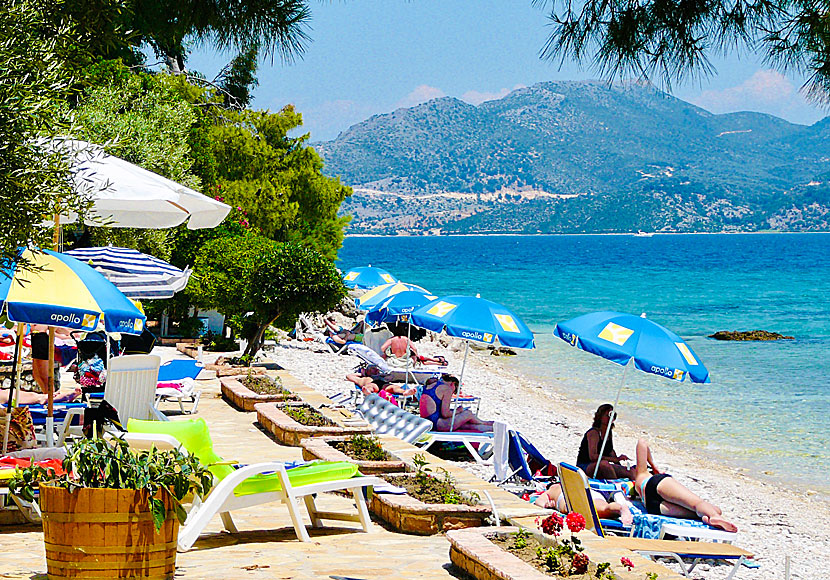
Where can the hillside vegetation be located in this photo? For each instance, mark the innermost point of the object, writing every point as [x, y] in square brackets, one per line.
[581, 157]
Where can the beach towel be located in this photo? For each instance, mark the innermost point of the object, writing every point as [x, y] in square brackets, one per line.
[21, 429]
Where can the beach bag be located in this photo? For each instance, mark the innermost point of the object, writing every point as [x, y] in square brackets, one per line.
[21, 429]
[91, 374]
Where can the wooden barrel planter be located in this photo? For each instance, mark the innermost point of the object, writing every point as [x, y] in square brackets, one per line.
[106, 533]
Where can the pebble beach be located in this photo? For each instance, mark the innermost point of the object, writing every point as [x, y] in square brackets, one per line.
[774, 521]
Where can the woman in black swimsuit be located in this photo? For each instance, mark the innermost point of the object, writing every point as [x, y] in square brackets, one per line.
[664, 495]
[609, 467]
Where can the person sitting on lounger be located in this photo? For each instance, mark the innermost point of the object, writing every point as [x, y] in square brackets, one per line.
[610, 467]
[371, 380]
[609, 505]
[29, 398]
[339, 334]
[435, 405]
[396, 349]
[665, 496]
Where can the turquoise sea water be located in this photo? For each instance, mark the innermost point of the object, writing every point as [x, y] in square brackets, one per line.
[768, 406]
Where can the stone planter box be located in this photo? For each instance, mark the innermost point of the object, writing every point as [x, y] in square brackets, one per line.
[289, 432]
[223, 370]
[320, 448]
[244, 398]
[473, 552]
[412, 516]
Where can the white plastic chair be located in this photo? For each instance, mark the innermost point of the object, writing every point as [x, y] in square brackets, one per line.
[131, 387]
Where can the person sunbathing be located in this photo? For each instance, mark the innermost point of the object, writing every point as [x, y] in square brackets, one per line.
[435, 405]
[339, 334]
[396, 350]
[608, 504]
[663, 495]
[371, 380]
[610, 467]
[29, 398]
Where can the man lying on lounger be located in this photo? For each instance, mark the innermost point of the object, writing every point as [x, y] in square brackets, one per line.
[371, 380]
[30, 398]
[608, 504]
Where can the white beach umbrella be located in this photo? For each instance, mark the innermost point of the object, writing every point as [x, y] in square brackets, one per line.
[127, 196]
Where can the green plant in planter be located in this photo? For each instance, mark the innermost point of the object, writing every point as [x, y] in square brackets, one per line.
[520, 539]
[440, 483]
[307, 415]
[263, 385]
[366, 447]
[99, 463]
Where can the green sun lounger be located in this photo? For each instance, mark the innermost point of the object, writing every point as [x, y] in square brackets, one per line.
[252, 485]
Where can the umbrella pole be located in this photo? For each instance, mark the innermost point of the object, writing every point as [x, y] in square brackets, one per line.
[18, 352]
[50, 394]
[464, 364]
[406, 378]
[611, 420]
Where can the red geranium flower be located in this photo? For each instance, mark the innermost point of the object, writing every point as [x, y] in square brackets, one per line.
[575, 522]
[626, 562]
[580, 563]
[552, 524]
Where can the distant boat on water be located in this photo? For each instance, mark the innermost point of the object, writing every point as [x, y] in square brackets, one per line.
[642, 234]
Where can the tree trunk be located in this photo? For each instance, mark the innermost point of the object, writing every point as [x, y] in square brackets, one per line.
[256, 342]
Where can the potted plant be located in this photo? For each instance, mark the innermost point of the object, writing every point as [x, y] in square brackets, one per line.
[113, 512]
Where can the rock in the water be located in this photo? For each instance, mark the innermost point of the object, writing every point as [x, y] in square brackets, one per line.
[748, 335]
[503, 351]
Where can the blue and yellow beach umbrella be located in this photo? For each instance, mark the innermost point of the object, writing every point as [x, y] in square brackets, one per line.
[622, 338]
[65, 292]
[399, 307]
[474, 318]
[367, 277]
[379, 294]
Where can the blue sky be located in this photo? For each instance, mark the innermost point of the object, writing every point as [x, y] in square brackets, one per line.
[373, 56]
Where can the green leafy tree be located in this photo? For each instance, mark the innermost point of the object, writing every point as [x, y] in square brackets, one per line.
[276, 179]
[264, 283]
[38, 49]
[671, 39]
[145, 119]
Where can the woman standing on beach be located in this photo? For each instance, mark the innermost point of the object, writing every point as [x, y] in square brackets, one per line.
[610, 466]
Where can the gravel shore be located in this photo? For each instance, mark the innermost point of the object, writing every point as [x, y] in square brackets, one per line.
[774, 522]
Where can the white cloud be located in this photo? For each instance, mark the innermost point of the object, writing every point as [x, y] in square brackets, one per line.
[326, 120]
[477, 97]
[421, 94]
[767, 91]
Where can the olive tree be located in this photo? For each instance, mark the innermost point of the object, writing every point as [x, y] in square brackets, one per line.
[261, 283]
[38, 50]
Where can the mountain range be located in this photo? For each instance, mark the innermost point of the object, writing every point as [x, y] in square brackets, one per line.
[581, 157]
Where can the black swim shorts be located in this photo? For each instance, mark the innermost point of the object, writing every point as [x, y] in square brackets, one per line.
[40, 345]
[652, 498]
